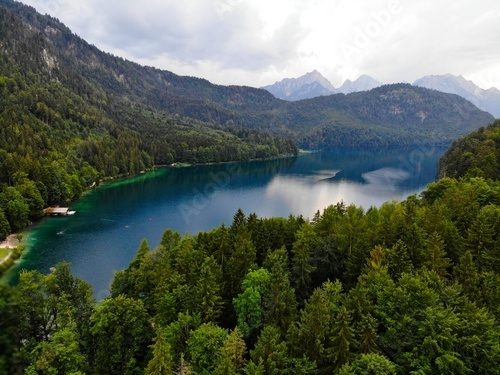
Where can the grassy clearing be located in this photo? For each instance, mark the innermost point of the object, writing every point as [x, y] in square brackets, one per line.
[4, 253]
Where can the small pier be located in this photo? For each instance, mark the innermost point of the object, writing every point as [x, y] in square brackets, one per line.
[58, 211]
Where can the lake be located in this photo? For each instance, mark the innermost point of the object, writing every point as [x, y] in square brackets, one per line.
[111, 220]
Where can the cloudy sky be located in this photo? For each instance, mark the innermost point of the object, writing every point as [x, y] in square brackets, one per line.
[256, 42]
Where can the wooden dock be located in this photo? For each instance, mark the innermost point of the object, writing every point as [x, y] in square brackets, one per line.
[58, 211]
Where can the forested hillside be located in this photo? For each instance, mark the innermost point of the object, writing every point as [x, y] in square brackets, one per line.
[408, 113]
[60, 131]
[410, 287]
[475, 155]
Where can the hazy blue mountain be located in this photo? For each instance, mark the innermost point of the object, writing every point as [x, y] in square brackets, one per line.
[308, 86]
[487, 100]
[314, 84]
[363, 83]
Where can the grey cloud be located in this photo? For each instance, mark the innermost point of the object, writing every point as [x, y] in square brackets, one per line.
[222, 40]
[188, 31]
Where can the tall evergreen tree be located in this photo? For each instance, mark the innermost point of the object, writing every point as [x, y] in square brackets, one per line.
[342, 339]
[435, 257]
[208, 290]
[279, 302]
[161, 362]
[368, 334]
[302, 260]
[232, 356]
[271, 352]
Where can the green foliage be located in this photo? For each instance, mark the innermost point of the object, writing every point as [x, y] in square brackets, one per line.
[279, 301]
[162, 362]
[15, 208]
[120, 334]
[4, 226]
[342, 338]
[248, 304]
[369, 364]
[204, 346]
[232, 356]
[435, 256]
[475, 155]
[270, 352]
[59, 355]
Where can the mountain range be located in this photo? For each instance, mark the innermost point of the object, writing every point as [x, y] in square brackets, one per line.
[314, 84]
[487, 100]
[167, 117]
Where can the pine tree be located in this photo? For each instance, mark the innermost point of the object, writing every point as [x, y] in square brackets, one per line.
[377, 258]
[398, 260]
[302, 261]
[481, 237]
[435, 257]
[232, 356]
[162, 362]
[271, 351]
[368, 334]
[208, 290]
[239, 262]
[141, 254]
[467, 275]
[279, 302]
[342, 339]
[310, 335]
[239, 222]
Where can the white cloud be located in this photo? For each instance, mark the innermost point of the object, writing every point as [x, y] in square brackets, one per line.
[256, 42]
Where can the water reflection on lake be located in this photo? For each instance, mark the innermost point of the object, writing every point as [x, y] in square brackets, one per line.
[111, 220]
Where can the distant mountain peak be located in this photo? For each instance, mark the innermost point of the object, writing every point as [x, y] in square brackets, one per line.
[487, 100]
[307, 86]
[313, 84]
[363, 83]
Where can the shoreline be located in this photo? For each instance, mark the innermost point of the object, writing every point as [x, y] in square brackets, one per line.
[21, 247]
[16, 244]
[121, 178]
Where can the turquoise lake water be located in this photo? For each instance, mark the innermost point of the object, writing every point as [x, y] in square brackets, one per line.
[111, 220]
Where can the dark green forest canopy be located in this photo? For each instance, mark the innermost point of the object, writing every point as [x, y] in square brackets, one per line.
[475, 155]
[410, 287]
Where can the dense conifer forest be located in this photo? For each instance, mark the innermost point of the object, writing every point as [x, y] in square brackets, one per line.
[410, 287]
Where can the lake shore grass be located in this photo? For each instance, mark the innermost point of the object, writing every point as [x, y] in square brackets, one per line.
[11, 250]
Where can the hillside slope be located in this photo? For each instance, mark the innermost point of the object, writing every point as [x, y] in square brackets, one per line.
[99, 76]
[475, 155]
[398, 114]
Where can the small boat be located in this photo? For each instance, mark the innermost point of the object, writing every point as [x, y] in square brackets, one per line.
[71, 213]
